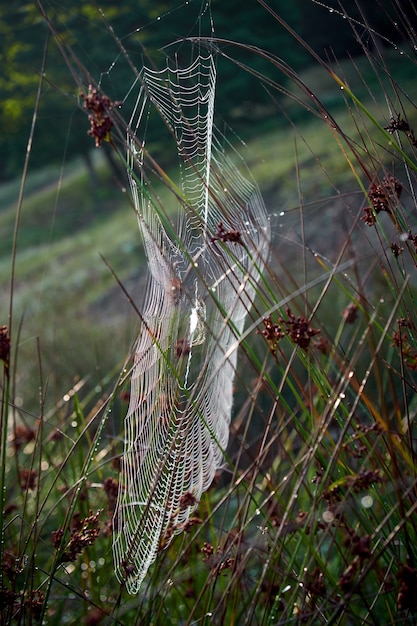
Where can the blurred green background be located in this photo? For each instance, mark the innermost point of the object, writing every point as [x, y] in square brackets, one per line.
[74, 209]
[146, 28]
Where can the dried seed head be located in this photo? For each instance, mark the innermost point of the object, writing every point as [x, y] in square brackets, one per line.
[224, 235]
[111, 488]
[21, 435]
[383, 197]
[5, 347]
[398, 124]
[299, 330]
[100, 121]
[350, 313]
[27, 479]
[273, 333]
[186, 500]
[182, 347]
[396, 250]
[83, 533]
[407, 597]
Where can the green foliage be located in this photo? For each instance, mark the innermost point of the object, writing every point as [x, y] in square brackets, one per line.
[80, 32]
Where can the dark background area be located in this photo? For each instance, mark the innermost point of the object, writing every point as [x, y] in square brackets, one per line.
[146, 30]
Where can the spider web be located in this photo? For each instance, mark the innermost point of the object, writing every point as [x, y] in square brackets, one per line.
[203, 275]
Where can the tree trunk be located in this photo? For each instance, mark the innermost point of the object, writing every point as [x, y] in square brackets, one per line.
[94, 180]
[115, 168]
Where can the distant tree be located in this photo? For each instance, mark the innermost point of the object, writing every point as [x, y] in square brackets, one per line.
[20, 25]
